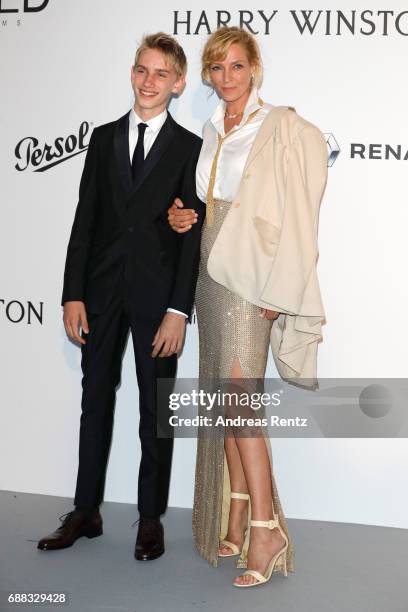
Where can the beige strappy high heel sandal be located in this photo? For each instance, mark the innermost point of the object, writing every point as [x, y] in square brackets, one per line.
[281, 553]
[235, 550]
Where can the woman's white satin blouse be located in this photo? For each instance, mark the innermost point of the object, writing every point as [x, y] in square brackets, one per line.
[234, 150]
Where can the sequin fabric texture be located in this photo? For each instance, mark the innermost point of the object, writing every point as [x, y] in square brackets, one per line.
[230, 329]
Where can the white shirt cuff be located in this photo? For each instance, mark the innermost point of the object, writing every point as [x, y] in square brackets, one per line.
[177, 312]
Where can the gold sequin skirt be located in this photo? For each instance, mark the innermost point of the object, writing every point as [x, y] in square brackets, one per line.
[230, 329]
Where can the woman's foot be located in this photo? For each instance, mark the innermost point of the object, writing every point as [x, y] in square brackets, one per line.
[264, 544]
[237, 523]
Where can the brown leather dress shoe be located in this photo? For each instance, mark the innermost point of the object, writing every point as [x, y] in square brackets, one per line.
[150, 539]
[74, 526]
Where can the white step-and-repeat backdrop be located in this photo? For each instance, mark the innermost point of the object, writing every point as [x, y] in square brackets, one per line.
[65, 68]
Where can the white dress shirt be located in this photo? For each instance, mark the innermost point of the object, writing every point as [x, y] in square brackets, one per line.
[153, 128]
[234, 150]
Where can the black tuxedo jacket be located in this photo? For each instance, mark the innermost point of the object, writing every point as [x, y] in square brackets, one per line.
[120, 238]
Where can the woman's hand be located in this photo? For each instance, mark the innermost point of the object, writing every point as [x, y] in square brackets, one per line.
[181, 220]
[271, 315]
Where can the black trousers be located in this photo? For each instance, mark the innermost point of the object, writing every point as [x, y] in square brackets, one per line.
[101, 366]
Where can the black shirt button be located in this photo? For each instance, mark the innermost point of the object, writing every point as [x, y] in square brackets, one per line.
[130, 229]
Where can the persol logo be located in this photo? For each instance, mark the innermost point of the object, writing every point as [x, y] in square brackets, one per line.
[12, 6]
[306, 22]
[31, 154]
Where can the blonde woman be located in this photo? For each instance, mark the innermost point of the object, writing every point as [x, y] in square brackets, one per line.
[261, 172]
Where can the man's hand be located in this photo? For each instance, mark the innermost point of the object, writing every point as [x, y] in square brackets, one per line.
[170, 335]
[75, 319]
[181, 219]
[271, 315]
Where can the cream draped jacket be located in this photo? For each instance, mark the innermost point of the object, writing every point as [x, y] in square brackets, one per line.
[266, 250]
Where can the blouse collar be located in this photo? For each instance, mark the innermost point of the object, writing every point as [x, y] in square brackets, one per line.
[253, 104]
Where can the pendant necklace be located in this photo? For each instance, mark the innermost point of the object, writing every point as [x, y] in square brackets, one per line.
[228, 116]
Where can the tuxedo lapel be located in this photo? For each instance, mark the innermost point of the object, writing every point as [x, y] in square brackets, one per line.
[121, 146]
[159, 146]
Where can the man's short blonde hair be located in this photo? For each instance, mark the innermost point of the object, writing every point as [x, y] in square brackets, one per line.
[217, 46]
[168, 46]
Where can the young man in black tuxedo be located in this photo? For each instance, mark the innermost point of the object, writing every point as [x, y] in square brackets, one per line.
[126, 269]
